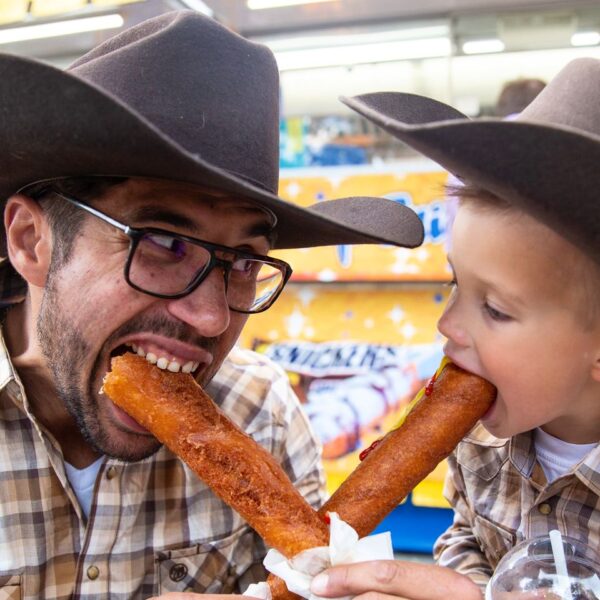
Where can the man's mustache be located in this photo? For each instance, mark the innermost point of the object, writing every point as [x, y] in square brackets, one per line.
[166, 327]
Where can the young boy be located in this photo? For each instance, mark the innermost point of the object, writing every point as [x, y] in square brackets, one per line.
[524, 314]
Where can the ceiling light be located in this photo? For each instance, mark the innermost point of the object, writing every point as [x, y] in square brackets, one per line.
[349, 55]
[585, 38]
[199, 6]
[59, 28]
[325, 41]
[262, 4]
[483, 46]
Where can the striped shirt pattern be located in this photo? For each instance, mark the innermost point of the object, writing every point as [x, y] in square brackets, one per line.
[154, 527]
[500, 497]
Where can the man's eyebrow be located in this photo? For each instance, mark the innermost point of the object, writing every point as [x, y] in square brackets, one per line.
[262, 230]
[157, 214]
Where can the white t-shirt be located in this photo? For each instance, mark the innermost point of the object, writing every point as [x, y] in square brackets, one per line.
[82, 481]
[556, 456]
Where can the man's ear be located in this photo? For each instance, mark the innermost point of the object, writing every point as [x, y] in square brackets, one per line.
[28, 239]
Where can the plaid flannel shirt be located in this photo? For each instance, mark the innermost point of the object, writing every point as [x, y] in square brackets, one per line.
[154, 526]
[500, 497]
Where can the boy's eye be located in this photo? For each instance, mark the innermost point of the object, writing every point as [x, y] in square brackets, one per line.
[495, 314]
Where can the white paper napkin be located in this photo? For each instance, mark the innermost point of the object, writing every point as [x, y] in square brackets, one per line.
[345, 547]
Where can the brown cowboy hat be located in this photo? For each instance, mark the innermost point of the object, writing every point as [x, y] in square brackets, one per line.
[179, 97]
[546, 161]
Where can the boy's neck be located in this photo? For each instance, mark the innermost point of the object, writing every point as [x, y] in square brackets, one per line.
[572, 431]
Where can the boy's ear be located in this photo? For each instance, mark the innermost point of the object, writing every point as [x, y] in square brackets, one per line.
[28, 239]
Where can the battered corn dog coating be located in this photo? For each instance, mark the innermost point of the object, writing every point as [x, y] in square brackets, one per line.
[238, 470]
[449, 408]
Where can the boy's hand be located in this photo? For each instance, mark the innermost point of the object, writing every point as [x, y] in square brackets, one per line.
[387, 579]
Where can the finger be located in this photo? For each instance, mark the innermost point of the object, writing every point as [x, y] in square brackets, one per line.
[407, 579]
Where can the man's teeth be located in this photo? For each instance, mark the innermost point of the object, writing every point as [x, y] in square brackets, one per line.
[165, 363]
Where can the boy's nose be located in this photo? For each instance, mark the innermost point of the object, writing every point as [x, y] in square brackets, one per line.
[450, 324]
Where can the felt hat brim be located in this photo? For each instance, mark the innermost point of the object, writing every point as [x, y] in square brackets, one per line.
[545, 162]
[59, 125]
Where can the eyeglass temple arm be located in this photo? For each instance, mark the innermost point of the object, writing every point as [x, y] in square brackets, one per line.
[90, 209]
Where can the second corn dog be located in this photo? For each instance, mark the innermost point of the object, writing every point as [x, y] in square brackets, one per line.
[445, 411]
[436, 421]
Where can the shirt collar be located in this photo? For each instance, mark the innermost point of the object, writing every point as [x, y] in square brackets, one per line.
[523, 457]
[522, 453]
[588, 470]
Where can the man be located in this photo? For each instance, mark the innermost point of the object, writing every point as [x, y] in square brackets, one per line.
[140, 206]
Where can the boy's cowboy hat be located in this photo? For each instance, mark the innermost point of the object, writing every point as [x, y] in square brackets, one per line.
[178, 97]
[546, 161]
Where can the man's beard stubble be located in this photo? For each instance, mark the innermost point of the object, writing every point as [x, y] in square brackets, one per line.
[65, 350]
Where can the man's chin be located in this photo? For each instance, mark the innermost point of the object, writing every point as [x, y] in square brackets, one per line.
[124, 438]
[132, 451]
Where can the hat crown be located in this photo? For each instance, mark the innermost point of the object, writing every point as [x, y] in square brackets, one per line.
[570, 99]
[208, 90]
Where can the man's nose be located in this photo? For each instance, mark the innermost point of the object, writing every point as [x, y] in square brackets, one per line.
[205, 309]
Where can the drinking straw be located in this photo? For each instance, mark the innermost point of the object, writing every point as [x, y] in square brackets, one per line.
[558, 552]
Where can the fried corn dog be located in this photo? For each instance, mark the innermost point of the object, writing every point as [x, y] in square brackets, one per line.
[238, 470]
[434, 423]
[437, 420]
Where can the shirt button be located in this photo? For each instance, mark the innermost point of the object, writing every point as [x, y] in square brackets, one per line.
[178, 572]
[92, 572]
[111, 472]
[545, 508]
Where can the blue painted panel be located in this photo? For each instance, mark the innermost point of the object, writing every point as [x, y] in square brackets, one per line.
[415, 528]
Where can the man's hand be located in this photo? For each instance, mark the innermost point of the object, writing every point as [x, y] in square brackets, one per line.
[388, 579]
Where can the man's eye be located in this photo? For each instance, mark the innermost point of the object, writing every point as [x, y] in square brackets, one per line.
[243, 265]
[167, 242]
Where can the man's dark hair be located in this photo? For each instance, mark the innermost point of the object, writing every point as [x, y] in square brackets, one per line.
[64, 219]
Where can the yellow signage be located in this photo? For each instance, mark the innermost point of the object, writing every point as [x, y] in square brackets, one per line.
[355, 354]
[423, 192]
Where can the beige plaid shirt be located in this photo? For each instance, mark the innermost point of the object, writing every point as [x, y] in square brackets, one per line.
[154, 526]
[500, 497]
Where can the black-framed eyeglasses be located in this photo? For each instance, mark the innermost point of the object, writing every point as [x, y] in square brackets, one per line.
[170, 265]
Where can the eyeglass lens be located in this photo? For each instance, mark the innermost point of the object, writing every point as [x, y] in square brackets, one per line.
[167, 265]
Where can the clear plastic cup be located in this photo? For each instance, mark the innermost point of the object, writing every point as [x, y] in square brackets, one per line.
[529, 572]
